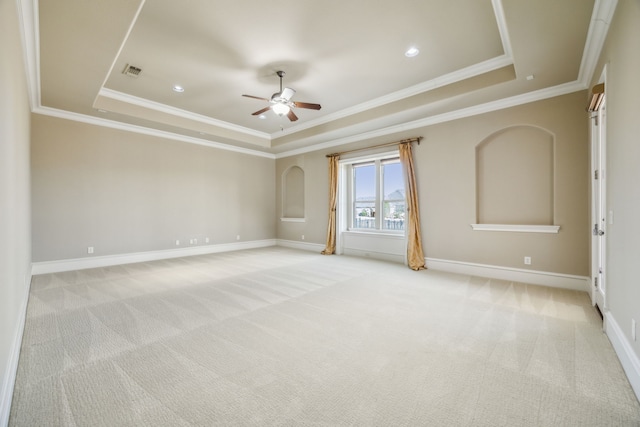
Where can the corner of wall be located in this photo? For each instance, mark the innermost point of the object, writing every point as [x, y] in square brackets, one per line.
[9, 376]
[628, 358]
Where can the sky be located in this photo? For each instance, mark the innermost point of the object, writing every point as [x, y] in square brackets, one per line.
[365, 180]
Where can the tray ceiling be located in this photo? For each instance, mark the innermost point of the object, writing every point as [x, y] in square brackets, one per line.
[346, 55]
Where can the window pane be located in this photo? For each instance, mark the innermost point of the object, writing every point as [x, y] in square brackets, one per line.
[364, 177]
[393, 196]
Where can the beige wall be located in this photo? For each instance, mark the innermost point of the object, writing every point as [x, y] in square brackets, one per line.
[316, 198]
[622, 56]
[15, 239]
[446, 174]
[445, 169]
[122, 192]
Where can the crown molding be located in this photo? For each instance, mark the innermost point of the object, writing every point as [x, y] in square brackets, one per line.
[163, 108]
[444, 80]
[30, 35]
[124, 41]
[63, 114]
[501, 21]
[475, 110]
[447, 79]
[601, 17]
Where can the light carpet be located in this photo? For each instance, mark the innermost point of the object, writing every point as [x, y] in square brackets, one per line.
[278, 337]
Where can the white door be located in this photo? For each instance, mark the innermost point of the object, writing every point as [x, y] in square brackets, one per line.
[598, 215]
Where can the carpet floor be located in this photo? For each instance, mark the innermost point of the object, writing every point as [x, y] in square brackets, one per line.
[279, 337]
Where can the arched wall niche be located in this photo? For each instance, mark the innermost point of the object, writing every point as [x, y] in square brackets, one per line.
[293, 193]
[515, 173]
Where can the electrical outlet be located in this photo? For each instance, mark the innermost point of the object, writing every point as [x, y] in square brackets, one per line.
[527, 260]
[177, 242]
[206, 240]
[195, 241]
[303, 237]
[633, 329]
[238, 237]
[90, 250]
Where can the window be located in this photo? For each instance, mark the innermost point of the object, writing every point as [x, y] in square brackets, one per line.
[377, 195]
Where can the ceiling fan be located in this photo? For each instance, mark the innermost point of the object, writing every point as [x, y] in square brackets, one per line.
[281, 102]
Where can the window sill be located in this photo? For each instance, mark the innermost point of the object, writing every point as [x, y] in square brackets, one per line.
[551, 229]
[293, 219]
[377, 233]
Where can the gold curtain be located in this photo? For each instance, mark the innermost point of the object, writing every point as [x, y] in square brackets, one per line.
[415, 256]
[333, 200]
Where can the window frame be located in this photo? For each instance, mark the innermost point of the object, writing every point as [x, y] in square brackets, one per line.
[378, 160]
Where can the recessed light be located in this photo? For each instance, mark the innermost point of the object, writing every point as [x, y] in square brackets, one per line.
[178, 88]
[262, 117]
[411, 52]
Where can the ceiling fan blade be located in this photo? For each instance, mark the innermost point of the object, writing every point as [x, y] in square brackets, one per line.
[256, 97]
[264, 110]
[287, 93]
[307, 105]
[292, 116]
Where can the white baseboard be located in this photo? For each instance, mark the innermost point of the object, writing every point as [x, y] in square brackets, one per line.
[628, 358]
[293, 244]
[9, 376]
[46, 267]
[555, 280]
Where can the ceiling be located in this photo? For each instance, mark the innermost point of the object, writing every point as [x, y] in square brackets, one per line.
[348, 56]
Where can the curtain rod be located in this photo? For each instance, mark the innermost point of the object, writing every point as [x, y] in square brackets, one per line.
[404, 141]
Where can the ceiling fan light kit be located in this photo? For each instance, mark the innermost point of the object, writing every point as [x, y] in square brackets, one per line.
[281, 104]
[280, 109]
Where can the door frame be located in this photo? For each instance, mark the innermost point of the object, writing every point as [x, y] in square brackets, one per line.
[599, 215]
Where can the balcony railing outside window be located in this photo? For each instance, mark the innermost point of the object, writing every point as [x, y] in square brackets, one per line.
[378, 186]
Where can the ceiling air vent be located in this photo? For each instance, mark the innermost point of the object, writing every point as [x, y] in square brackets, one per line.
[131, 71]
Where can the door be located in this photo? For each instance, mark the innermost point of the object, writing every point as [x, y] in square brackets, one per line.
[598, 215]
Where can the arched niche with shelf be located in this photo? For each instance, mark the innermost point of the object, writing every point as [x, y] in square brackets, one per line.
[515, 174]
[293, 194]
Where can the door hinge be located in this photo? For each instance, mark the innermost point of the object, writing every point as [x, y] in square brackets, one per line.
[595, 282]
[596, 230]
[596, 174]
